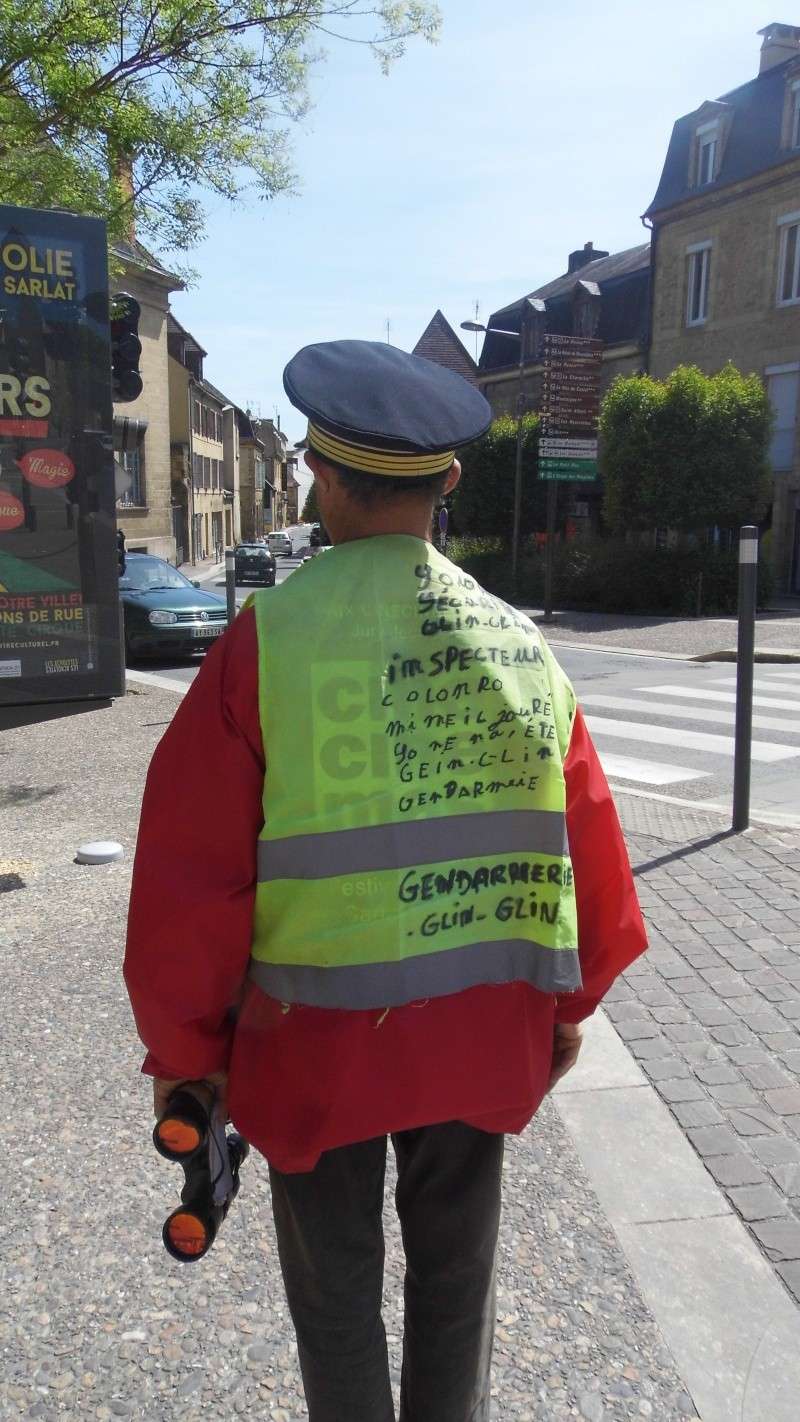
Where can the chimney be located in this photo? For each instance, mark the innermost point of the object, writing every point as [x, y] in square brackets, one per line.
[780, 42]
[121, 164]
[582, 257]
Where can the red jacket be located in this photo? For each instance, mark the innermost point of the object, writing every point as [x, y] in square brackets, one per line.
[303, 1080]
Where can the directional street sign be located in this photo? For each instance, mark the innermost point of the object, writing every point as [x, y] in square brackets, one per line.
[565, 448]
[577, 470]
[570, 408]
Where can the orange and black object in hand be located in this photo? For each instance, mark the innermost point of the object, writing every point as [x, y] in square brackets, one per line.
[186, 1133]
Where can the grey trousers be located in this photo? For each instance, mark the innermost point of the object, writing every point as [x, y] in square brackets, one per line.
[330, 1242]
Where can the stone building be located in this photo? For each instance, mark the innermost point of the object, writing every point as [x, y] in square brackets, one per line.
[145, 511]
[254, 494]
[275, 445]
[726, 257]
[205, 449]
[599, 295]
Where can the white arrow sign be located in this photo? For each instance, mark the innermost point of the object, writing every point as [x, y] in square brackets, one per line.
[571, 448]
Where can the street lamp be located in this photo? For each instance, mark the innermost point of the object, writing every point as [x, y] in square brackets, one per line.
[531, 306]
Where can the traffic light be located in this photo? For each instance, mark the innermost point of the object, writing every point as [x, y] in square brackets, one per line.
[120, 553]
[126, 348]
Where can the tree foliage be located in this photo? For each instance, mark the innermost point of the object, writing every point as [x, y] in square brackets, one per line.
[483, 503]
[310, 512]
[197, 94]
[688, 452]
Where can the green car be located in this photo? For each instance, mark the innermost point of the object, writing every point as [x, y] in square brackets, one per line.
[166, 614]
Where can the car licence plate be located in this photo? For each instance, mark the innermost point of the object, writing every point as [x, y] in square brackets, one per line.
[207, 631]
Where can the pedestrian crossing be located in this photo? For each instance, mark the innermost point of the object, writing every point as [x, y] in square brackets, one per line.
[688, 726]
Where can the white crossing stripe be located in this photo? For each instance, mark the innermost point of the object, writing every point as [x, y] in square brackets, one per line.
[686, 740]
[762, 683]
[789, 674]
[701, 693]
[711, 715]
[648, 772]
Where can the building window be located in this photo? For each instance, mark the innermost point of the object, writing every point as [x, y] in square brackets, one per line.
[789, 260]
[197, 470]
[794, 115]
[196, 415]
[132, 461]
[206, 472]
[699, 266]
[783, 385]
[706, 153]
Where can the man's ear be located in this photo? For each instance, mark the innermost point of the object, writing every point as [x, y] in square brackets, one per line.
[452, 478]
[322, 472]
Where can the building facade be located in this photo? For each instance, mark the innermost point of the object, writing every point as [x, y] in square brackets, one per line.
[145, 511]
[726, 258]
[255, 496]
[204, 450]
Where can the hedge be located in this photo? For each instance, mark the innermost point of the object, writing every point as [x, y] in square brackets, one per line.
[614, 576]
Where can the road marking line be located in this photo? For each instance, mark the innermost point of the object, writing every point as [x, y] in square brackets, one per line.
[647, 772]
[702, 694]
[708, 714]
[686, 740]
[761, 683]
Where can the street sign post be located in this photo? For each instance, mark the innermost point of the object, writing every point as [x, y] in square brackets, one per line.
[59, 593]
[570, 410]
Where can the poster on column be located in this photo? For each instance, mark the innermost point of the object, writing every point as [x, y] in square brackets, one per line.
[59, 599]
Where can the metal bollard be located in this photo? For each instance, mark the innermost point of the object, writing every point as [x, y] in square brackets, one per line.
[230, 584]
[745, 650]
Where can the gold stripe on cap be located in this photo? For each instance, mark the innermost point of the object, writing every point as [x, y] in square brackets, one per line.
[369, 460]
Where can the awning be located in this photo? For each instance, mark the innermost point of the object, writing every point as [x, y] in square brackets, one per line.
[128, 433]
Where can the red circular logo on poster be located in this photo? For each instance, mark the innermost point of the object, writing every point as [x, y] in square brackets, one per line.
[12, 514]
[48, 468]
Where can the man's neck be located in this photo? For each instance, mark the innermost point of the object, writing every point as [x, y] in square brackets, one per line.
[413, 526]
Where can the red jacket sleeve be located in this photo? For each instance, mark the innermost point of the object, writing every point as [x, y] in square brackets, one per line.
[191, 907]
[611, 932]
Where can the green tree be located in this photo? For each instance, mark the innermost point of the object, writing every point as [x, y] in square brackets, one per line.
[144, 108]
[310, 512]
[688, 452]
[483, 503]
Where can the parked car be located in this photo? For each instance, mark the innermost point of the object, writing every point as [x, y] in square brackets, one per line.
[254, 563]
[280, 544]
[165, 613]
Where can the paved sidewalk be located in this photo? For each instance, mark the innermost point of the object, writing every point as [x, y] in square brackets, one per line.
[203, 570]
[712, 1012]
[776, 632]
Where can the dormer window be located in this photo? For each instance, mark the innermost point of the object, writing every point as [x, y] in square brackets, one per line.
[794, 114]
[707, 149]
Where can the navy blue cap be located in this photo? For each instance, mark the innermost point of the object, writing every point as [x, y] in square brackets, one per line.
[378, 409]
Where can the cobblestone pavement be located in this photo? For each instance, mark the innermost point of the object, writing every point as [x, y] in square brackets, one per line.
[712, 1012]
[685, 637]
[96, 1323]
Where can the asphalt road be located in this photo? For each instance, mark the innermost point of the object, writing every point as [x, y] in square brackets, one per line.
[663, 727]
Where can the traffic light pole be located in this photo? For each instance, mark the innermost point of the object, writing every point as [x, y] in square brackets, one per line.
[552, 498]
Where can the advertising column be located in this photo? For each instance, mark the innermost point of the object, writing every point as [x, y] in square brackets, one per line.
[59, 600]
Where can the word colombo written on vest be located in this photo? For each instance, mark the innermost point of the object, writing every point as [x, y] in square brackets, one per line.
[414, 842]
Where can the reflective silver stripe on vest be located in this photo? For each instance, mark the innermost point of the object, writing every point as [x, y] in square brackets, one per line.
[366, 985]
[400, 846]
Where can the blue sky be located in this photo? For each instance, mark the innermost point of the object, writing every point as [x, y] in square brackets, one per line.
[466, 175]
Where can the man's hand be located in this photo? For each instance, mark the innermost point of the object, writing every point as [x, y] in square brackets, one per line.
[162, 1089]
[567, 1039]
